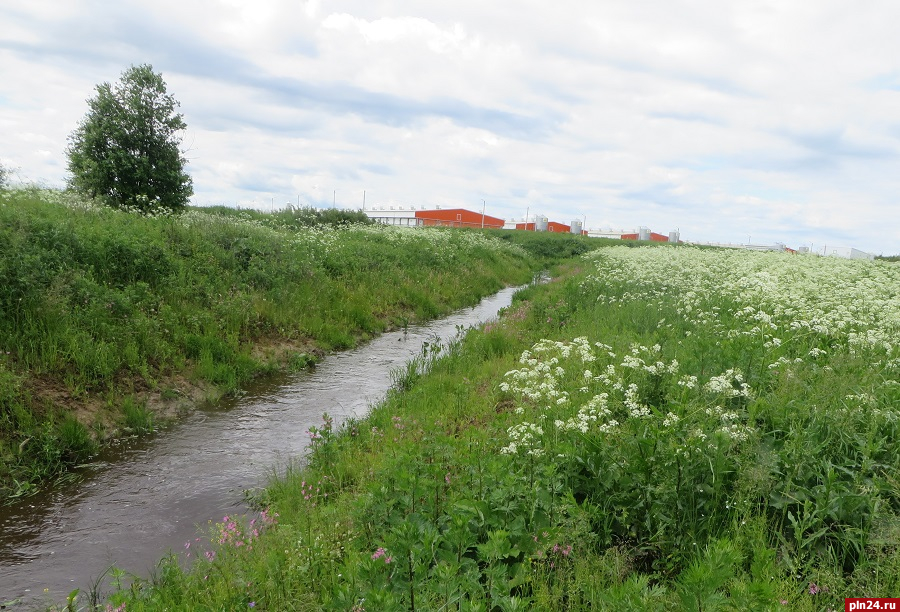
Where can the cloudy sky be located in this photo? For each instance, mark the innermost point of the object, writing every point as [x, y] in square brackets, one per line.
[733, 121]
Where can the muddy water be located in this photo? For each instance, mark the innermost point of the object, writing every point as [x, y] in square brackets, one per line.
[144, 498]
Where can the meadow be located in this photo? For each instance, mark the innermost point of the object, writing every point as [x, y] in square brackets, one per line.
[661, 428]
[112, 321]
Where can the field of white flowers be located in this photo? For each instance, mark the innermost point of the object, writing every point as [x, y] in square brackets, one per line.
[769, 313]
[708, 392]
[781, 297]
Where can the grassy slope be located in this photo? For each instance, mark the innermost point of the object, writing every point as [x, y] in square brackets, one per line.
[783, 497]
[106, 316]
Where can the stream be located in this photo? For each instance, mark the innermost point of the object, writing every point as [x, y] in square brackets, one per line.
[143, 498]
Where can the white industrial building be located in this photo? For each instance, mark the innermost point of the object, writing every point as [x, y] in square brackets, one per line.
[846, 252]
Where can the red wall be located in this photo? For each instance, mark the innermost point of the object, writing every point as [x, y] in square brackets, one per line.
[457, 217]
[553, 226]
[654, 237]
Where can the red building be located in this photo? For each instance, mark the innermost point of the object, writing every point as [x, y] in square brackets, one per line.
[552, 226]
[654, 237]
[457, 217]
[408, 216]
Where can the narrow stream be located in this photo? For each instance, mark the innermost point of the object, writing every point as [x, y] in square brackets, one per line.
[144, 498]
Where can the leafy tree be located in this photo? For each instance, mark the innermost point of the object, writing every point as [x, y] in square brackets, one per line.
[126, 150]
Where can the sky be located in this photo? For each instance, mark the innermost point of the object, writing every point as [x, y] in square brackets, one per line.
[755, 121]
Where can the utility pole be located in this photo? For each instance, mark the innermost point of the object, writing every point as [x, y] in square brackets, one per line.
[482, 213]
[526, 217]
[364, 199]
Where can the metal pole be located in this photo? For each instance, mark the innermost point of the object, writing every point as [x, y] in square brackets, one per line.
[482, 214]
[526, 217]
[364, 199]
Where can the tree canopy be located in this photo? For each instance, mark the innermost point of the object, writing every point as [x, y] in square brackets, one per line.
[127, 149]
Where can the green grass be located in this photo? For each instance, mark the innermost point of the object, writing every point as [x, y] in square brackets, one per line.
[99, 305]
[138, 418]
[669, 429]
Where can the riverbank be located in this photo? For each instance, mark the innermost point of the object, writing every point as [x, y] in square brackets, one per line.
[111, 321]
[665, 429]
[146, 496]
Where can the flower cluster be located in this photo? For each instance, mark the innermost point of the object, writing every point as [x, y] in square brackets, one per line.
[729, 384]
[320, 435]
[312, 493]
[597, 409]
[553, 387]
[233, 532]
[524, 438]
[381, 553]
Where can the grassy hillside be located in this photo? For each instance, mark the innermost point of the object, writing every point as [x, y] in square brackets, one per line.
[108, 317]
